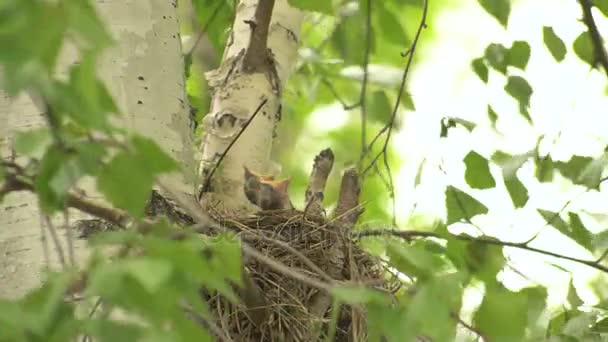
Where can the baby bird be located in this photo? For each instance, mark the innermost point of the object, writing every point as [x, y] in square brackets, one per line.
[266, 192]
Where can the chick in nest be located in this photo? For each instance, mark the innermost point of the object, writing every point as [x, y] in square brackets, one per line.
[266, 192]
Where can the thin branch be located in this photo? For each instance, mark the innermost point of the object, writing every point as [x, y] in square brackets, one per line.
[362, 97]
[256, 53]
[207, 182]
[389, 126]
[409, 234]
[212, 17]
[337, 96]
[469, 327]
[51, 228]
[601, 56]
[69, 236]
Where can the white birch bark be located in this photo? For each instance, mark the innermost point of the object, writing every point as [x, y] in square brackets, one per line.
[145, 74]
[236, 96]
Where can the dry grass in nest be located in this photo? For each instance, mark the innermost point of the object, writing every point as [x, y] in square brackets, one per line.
[308, 245]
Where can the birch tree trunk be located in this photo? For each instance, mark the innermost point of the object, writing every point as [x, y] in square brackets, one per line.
[240, 85]
[144, 73]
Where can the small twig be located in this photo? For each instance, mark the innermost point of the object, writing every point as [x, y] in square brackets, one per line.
[43, 240]
[255, 59]
[601, 56]
[207, 182]
[389, 126]
[217, 9]
[363, 95]
[469, 327]
[51, 228]
[409, 234]
[337, 96]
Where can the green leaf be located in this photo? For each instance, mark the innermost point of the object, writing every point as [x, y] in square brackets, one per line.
[537, 302]
[574, 229]
[109, 330]
[513, 317]
[583, 170]
[519, 89]
[497, 57]
[86, 24]
[152, 274]
[461, 205]
[451, 122]
[59, 171]
[554, 43]
[33, 143]
[499, 9]
[544, 169]
[389, 24]
[359, 295]
[602, 6]
[517, 191]
[579, 232]
[419, 173]
[583, 48]
[477, 173]
[480, 69]
[322, 6]
[484, 260]
[573, 299]
[519, 54]
[127, 179]
[492, 116]
[380, 108]
[413, 260]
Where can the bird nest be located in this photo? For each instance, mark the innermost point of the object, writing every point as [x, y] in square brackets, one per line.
[313, 249]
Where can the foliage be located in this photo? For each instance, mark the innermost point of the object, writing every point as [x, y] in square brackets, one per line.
[338, 50]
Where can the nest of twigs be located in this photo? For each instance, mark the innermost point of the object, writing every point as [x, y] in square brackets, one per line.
[293, 309]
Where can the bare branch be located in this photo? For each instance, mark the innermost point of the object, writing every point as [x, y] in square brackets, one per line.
[410, 234]
[601, 56]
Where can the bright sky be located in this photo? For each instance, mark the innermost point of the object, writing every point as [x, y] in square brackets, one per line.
[567, 99]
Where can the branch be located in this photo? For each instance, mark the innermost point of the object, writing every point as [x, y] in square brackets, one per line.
[362, 97]
[409, 234]
[601, 56]
[321, 168]
[256, 54]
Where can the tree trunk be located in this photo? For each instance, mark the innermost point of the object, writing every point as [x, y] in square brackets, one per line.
[240, 86]
[145, 74]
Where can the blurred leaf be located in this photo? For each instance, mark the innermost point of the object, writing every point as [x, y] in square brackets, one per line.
[583, 48]
[451, 122]
[477, 173]
[580, 233]
[59, 171]
[380, 108]
[544, 169]
[480, 69]
[389, 24]
[33, 143]
[602, 6]
[86, 24]
[513, 317]
[216, 16]
[419, 173]
[461, 205]
[150, 273]
[554, 43]
[574, 229]
[537, 302]
[573, 299]
[413, 260]
[349, 39]
[322, 6]
[359, 295]
[109, 330]
[127, 179]
[497, 57]
[583, 170]
[517, 191]
[492, 116]
[484, 260]
[519, 54]
[430, 312]
[499, 9]
[519, 89]
[407, 101]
